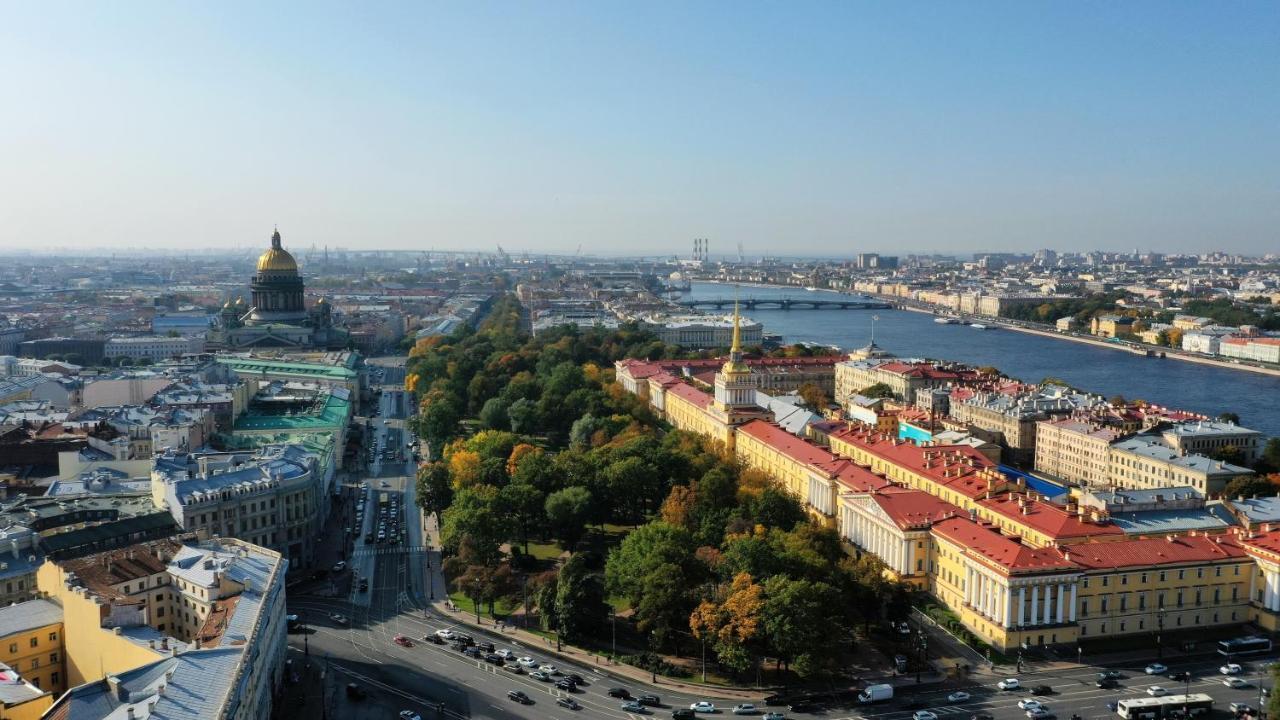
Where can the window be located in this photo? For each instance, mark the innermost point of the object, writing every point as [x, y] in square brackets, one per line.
[53, 679]
[53, 658]
[53, 637]
[35, 663]
[1142, 601]
[1217, 572]
[159, 612]
[35, 642]
[1102, 605]
[1161, 576]
[1104, 580]
[1182, 574]
[1084, 611]
[13, 648]
[1124, 580]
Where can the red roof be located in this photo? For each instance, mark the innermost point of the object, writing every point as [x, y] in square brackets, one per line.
[690, 393]
[639, 369]
[955, 466]
[914, 508]
[1048, 518]
[921, 370]
[1002, 551]
[1154, 551]
[794, 447]
[855, 477]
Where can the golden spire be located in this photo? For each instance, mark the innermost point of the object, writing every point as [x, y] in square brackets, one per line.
[737, 339]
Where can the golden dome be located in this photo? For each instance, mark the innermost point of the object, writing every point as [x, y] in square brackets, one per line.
[276, 258]
[228, 305]
[240, 301]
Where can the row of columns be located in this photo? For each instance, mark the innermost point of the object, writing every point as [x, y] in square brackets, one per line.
[1271, 589]
[1050, 604]
[875, 538]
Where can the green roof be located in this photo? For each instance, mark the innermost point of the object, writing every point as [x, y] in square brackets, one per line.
[283, 367]
[335, 414]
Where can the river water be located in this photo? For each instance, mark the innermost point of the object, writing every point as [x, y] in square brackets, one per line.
[1173, 383]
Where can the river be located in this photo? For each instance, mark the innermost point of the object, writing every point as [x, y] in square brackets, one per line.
[1189, 386]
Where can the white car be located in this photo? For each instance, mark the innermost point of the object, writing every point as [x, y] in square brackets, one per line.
[528, 662]
[1156, 669]
[702, 706]
[1009, 684]
[1231, 669]
[1156, 691]
[549, 669]
[958, 696]
[744, 709]
[1029, 704]
[924, 715]
[1235, 682]
[409, 715]
[445, 634]
[1039, 713]
[505, 654]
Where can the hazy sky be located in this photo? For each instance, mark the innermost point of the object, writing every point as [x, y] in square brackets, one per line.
[791, 127]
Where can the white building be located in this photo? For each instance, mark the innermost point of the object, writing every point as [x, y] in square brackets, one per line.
[1258, 349]
[152, 347]
[701, 331]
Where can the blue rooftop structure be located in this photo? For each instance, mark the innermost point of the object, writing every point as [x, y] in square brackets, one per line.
[1048, 489]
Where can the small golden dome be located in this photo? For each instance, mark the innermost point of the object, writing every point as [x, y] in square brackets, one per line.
[228, 305]
[322, 301]
[240, 301]
[276, 258]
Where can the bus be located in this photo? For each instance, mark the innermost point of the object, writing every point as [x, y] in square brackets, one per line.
[1169, 706]
[1251, 645]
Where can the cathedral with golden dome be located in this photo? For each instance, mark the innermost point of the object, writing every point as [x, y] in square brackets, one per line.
[276, 315]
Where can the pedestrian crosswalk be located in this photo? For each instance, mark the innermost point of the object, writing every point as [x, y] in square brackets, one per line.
[393, 550]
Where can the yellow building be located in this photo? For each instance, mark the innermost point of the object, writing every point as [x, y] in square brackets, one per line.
[1112, 326]
[31, 658]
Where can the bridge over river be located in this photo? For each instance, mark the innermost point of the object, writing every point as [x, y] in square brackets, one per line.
[785, 304]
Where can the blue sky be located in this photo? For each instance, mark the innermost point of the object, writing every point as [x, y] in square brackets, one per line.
[794, 128]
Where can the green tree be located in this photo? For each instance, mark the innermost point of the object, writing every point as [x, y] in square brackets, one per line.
[581, 610]
[567, 513]
[1229, 417]
[494, 415]
[801, 629]
[475, 516]
[1250, 486]
[878, 390]
[522, 415]
[664, 607]
[631, 564]
[525, 505]
[434, 491]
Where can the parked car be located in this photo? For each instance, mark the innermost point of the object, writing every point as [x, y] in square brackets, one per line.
[622, 693]
[486, 646]
[540, 676]
[505, 654]
[493, 659]
[632, 706]
[1156, 669]
[472, 652]
[1009, 684]
[702, 706]
[549, 669]
[745, 709]
[568, 702]
[520, 697]
[513, 669]
[958, 696]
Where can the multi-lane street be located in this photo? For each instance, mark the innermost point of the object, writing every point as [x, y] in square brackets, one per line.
[429, 679]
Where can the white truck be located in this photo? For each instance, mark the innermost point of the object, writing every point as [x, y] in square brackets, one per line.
[876, 693]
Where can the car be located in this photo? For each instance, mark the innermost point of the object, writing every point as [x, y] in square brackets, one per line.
[339, 618]
[291, 618]
[540, 676]
[520, 697]
[568, 702]
[924, 715]
[1039, 714]
[1156, 691]
[472, 652]
[682, 714]
[702, 706]
[513, 669]
[402, 641]
[1028, 704]
[1009, 684]
[622, 693]
[549, 669]
[340, 566]
[1239, 708]
[632, 706]
[958, 696]
[578, 679]
[464, 638]
[493, 659]
[802, 707]
[774, 716]
[567, 685]
[1231, 669]
[904, 629]
[1041, 690]
[1107, 683]
[409, 715]
[528, 662]
[652, 700]
[745, 709]
[505, 654]
[982, 716]
[1235, 682]
[364, 585]
[355, 692]
[486, 646]
[1156, 669]
[446, 634]
[1182, 676]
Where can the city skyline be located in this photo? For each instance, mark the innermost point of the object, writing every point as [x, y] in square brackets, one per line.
[823, 131]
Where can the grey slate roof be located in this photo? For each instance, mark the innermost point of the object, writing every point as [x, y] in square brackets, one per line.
[28, 616]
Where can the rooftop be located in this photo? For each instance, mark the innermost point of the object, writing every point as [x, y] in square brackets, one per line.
[1173, 550]
[29, 615]
[1004, 552]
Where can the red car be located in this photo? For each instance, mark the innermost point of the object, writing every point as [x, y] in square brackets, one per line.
[402, 641]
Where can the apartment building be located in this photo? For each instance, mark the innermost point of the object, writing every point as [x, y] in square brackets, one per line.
[156, 347]
[1075, 450]
[1144, 461]
[1205, 437]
